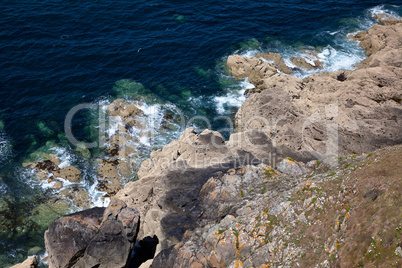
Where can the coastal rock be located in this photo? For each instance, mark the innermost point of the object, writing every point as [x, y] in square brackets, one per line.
[242, 67]
[210, 201]
[385, 19]
[265, 223]
[96, 237]
[128, 112]
[276, 60]
[291, 167]
[302, 63]
[31, 262]
[58, 185]
[195, 150]
[70, 173]
[363, 105]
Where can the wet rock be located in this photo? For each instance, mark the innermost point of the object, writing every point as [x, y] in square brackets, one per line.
[302, 63]
[128, 112]
[31, 262]
[54, 159]
[70, 173]
[78, 196]
[58, 185]
[296, 113]
[96, 237]
[110, 176]
[276, 60]
[34, 251]
[384, 19]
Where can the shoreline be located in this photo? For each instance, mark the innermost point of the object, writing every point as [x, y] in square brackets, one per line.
[149, 172]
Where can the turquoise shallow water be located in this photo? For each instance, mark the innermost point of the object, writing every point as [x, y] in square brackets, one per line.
[57, 54]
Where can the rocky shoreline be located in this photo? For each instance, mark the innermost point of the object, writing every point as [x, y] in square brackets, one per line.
[278, 193]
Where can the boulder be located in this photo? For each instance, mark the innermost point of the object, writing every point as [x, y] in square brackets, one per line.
[95, 237]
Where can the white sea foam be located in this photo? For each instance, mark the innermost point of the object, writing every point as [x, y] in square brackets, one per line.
[5, 148]
[234, 98]
[381, 9]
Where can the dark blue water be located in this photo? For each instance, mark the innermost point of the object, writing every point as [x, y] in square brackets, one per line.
[57, 54]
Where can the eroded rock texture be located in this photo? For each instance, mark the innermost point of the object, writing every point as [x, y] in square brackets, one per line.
[95, 237]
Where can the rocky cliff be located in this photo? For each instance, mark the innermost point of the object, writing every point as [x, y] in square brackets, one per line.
[261, 199]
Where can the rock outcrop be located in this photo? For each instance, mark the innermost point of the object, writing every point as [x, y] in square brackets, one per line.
[121, 152]
[216, 203]
[96, 237]
[167, 192]
[324, 218]
[31, 262]
[329, 113]
[251, 201]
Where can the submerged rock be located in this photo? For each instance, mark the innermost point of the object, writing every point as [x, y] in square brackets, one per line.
[96, 237]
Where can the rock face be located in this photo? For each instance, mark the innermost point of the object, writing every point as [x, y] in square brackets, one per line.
[216, 203]
[329, 113]
[270, 219]
[96, 237]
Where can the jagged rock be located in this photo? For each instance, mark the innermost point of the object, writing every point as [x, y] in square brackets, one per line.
[128, 112]
[96, 237]
[291, 167]
[31, 262]
[276, 60]
[67, 237]
[385, 19]
[70, 173]
[302, 63]
[242, 67]
[58, 185]
[197, 150]
[266, 226]
[46, 165]
[379, 37]
[78, 196]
